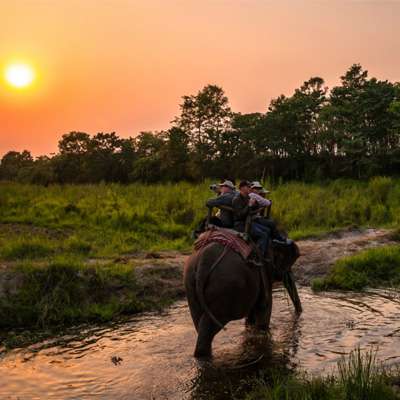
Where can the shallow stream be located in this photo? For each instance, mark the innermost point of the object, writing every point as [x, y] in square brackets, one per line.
[150, 356]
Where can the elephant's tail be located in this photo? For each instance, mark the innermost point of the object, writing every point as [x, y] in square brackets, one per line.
[202, 276]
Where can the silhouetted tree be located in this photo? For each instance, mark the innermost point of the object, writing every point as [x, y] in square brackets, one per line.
[351, 131]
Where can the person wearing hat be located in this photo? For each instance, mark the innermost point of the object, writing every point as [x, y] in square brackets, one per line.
[225, 198]
[258, 194]
[242, 206]
[255, 193]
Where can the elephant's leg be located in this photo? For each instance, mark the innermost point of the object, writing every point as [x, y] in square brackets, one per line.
[268, 299]
[264, 304]
[261, 313]
[290, 285]
[207, 329]
[195, 309]
[251, 318]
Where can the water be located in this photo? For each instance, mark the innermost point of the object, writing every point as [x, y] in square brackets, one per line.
[156, 351]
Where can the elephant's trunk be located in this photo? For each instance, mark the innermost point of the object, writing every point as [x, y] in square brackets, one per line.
[290, 285]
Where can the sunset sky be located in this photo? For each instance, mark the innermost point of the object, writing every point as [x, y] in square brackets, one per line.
[123, 65]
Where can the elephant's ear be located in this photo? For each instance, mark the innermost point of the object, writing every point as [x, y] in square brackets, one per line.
[285, 257]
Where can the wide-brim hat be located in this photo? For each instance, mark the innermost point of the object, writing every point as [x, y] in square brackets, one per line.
[228, 184]
[256, 185]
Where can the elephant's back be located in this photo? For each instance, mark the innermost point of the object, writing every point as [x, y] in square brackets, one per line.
[232, 286]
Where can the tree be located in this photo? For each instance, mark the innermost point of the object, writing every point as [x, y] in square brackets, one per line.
[102, 157]
[175, 155]
[359, 121]
[13, 163]
[205, 117]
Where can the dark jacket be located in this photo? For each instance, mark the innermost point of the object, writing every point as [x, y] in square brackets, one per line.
[241, 209]
[225, 199]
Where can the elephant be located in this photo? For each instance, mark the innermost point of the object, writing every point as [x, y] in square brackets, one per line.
[221, 287]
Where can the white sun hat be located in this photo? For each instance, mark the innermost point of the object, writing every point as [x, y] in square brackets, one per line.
[256, 185]
[228, 184]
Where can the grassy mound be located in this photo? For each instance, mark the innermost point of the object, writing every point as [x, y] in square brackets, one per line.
[65, 291]
[373, 267]
[359, 377]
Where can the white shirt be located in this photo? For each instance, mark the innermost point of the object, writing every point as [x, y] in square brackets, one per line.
[260, 200]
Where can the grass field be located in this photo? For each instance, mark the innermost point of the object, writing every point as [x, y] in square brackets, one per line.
[110, 220]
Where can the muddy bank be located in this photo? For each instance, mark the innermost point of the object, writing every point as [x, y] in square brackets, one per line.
[317, 255]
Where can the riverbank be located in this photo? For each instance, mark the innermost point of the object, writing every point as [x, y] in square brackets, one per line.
[43, 294]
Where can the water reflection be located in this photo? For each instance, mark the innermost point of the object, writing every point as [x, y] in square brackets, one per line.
[155, 351]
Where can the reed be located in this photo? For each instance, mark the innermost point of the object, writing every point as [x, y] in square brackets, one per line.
[359, 376]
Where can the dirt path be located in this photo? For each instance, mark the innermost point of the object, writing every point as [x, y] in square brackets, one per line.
[317, 255]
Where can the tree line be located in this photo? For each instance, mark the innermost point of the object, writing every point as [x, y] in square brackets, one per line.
[352, 130]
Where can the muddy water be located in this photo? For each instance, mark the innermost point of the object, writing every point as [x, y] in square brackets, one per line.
[150, 357]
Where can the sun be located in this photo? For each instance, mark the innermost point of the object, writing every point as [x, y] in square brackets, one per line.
[19, 75]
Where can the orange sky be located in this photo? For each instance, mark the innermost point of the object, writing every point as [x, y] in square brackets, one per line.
[122, 65]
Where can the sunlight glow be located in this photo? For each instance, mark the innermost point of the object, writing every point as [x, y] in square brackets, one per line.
[19, 75]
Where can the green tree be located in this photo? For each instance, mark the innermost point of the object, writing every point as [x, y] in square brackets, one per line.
[14, 164]
[175, 155]
[205, 118]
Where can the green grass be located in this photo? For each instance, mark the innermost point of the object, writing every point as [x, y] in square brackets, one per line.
[109, 220]
[370, 268]
[26, 248]
[65, 291]
[359, 377]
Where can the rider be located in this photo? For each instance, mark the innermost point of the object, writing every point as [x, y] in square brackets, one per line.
[242, 206]
[227, 193]
[258, 193]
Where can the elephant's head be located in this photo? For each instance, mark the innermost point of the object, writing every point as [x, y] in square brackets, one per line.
[285, 257]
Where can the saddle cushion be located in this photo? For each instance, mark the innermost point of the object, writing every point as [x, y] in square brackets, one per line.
[226, 237]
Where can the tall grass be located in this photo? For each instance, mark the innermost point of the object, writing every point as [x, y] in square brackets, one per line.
[30, 248]
[359, 377]
[113, 219]
[66, 291]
